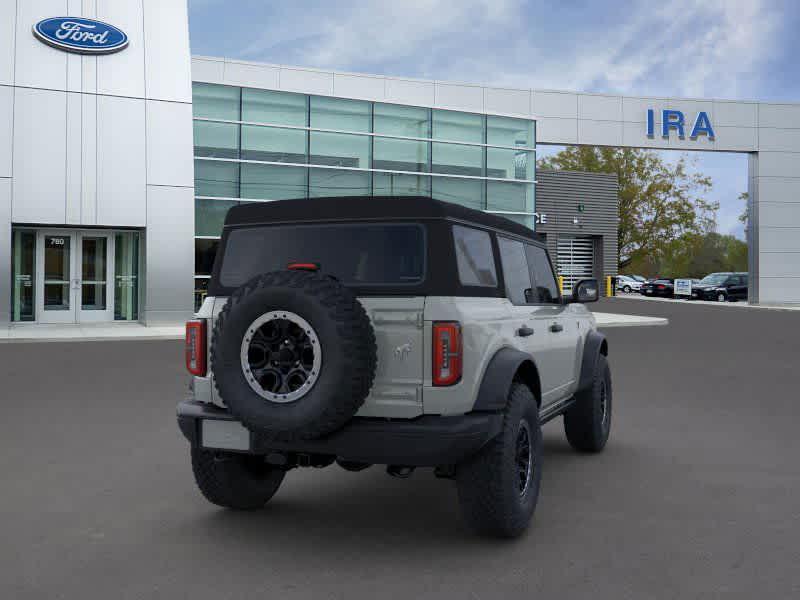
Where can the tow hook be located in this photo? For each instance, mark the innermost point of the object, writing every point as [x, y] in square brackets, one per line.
[400, 471]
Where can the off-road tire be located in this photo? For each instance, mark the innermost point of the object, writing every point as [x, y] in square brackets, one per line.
[238, 481]
[488, 483]
[349, 354]
[586, 423]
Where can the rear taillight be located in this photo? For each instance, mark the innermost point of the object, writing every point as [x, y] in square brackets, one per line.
[661, 287]
[447, 363]
[196, 347]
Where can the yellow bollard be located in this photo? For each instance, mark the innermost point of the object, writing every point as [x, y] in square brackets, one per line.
[608, 286]
[561, 284]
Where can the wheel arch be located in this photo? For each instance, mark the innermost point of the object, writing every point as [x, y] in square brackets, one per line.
[595, 345]
[505, 367]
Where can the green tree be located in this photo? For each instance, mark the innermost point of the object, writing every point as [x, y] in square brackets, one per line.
[659, 202]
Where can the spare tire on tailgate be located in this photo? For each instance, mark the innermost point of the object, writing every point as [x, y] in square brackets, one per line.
[293, 354]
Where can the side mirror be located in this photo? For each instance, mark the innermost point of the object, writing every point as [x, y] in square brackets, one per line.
[585, 290]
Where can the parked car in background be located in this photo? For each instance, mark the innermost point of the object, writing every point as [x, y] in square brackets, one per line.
[663, 288]
[722, 287]
[628, 284]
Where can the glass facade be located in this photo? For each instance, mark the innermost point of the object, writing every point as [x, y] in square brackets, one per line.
[261, 145]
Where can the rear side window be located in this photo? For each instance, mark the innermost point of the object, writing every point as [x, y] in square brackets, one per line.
[515, 271]
[542, 275]
[474, 256]
[361, 254]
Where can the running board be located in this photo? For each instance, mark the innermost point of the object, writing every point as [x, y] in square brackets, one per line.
[551, 412]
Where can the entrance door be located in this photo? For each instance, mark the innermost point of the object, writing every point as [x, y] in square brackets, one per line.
[94, 271]
[73, 272]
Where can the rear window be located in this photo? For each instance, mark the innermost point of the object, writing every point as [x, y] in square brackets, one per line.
[474, 256]
[360, 254]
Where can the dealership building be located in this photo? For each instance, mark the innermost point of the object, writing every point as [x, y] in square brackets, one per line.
[120, 154]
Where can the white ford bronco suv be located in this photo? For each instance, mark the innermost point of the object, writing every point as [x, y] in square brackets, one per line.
[400, 331]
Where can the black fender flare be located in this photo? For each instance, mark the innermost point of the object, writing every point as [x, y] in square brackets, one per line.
[594, 346]
[500, 373]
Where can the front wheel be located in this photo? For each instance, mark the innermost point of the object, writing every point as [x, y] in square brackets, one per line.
[231, 480]
[587, 423]
[498, 487]
[721, 297]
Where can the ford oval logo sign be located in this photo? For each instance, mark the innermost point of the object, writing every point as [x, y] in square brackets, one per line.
[84, 36]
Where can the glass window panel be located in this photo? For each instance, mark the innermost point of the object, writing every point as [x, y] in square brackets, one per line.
[542, 275]
[338, 182]
[457, 159]
[392, 184]
[337, 113]
[213, 178]
[474, 257]
[400, 155]
[507, 195]
[281, 108]
[515, 271]
[467, 192]
[526, 220]
[56, 272]
[204, 253]
[407, 121]
[94, 254]
[220, 140]
[209, 215]
[23, 259]
[126, 276]
[507, 131]
[274, 144]
[215, 101]
[339, 150]
[273, 182]
[200, 291]
[509, 164]
[457, 126]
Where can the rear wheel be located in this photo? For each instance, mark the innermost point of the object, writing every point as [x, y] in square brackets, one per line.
[238, 481]
[721, 297]
[627, 289]
[498, 487]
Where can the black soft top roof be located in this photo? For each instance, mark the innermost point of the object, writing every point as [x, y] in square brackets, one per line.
[310, 210]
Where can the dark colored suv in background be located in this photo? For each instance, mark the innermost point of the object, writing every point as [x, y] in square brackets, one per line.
[721, 287]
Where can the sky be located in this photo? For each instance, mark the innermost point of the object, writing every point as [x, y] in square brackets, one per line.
[732, 49]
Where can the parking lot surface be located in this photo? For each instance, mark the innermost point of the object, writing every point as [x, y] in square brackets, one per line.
[696, 495]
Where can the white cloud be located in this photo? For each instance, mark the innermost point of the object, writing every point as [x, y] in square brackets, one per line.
[687, 47]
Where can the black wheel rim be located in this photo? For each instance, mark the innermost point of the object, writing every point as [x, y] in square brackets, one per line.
[603, 403]
[524, 457]
[281, 356]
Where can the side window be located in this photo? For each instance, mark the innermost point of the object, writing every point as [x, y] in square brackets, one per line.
[542, 275]
[475, 257]
[515, 271]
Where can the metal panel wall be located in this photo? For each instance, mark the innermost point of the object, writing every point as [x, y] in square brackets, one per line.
[74, 129]
[558, 194]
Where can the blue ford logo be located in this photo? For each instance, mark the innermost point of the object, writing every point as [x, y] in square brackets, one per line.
[76, 34]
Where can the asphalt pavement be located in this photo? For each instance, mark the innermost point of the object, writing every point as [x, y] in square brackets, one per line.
[696, 496]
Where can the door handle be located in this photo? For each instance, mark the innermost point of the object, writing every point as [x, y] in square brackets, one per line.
[524, 331]
[556, 327]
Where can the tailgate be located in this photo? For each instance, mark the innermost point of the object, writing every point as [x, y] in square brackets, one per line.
[398, 325]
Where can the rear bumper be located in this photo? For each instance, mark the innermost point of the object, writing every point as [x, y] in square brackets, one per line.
[430, 440]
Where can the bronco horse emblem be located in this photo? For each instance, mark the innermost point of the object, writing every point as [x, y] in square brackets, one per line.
[401, 352]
